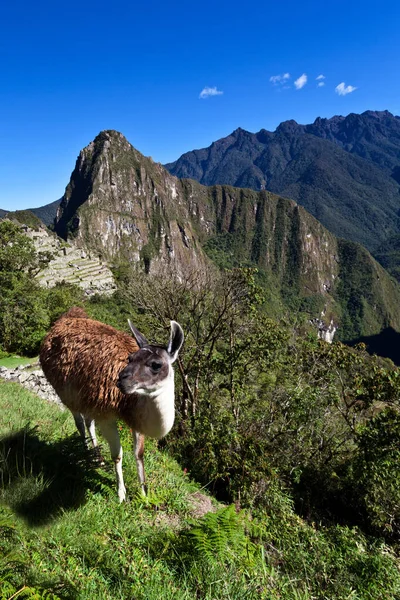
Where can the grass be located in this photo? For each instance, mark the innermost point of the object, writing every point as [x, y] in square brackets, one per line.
[63, 533]
[61, 526]
[13, 360]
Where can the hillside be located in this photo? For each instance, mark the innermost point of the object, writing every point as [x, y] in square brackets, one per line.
[63, 262]
[344, 170]
[314, 514]
[47, 213]
[126, 208]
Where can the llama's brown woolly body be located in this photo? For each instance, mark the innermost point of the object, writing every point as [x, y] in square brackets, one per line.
[82, 360]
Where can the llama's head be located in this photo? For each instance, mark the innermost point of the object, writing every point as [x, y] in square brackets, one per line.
[149, 369]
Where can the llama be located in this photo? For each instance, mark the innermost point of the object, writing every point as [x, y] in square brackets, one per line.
[102, 375]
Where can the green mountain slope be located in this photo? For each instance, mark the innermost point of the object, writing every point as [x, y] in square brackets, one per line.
[344, 170]
[63, 534]
[129, 209]
[47, 213]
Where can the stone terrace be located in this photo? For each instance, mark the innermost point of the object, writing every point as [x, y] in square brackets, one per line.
[71, 264]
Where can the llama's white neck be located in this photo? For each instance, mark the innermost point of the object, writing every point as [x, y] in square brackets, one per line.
[155, 413]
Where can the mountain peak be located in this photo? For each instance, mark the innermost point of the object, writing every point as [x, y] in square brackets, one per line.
[377, 113]
[107, 137]
[323, 120]
[240, 131]
[288, 127]
[109, 133]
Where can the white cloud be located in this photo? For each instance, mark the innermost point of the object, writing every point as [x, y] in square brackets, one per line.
[320, 77]
[300, 82]
[275, 79]
[342, 89]
[321, 84]
[209, 91]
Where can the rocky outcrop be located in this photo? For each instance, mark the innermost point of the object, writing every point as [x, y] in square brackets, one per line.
[32, 378]
[325, 332]
[125, 207]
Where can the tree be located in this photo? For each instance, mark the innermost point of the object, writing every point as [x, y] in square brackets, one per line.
[17, 251]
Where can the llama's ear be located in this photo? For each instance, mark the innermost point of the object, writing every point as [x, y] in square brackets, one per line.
[139, 337]
[175, 341]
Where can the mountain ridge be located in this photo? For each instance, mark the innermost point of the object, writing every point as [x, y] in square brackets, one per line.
[344, 170]
[125, 207]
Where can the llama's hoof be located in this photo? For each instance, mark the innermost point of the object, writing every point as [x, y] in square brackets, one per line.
[122, 495]
[97, 458]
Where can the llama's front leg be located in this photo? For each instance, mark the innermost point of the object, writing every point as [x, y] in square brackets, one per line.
[138, 441]
[109, 431]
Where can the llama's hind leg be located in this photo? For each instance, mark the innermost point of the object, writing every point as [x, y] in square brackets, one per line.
[109, 431]
[90, 426]
[80, 425]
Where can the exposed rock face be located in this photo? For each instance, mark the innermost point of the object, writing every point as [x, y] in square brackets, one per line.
[32, 378]
[325, 332]
[124, 207]
[273, 233]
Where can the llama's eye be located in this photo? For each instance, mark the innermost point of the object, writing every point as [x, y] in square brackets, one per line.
[155, 366]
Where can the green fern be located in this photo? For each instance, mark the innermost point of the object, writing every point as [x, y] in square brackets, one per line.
[27, 592]
[219, 536]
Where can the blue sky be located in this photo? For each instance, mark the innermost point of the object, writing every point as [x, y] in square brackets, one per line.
[69, 70]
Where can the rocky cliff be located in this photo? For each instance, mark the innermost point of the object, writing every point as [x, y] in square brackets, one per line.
[126, 208]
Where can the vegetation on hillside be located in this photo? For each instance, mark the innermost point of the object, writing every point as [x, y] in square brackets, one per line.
[47, 213]
[26, 217]
[263, 402]
[63, 534]
[301, 437]
[388, 254]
